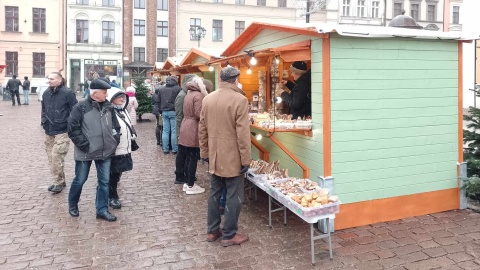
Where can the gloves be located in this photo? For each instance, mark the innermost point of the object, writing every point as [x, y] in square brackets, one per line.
[244, 169]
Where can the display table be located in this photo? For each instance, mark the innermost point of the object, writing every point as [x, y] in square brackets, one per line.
[283, 205]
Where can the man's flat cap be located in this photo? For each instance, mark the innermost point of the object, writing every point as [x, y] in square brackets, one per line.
[98, 84]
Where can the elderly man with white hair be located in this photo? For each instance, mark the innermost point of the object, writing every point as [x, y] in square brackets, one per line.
[95, 132]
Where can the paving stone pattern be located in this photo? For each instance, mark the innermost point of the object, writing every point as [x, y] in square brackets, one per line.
[159, 227]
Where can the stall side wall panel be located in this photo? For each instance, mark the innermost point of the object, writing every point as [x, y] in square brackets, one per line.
[394, 117]
[308, 149]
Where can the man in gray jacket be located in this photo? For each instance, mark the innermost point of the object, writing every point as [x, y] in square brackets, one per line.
[13, 85]
[95, 132]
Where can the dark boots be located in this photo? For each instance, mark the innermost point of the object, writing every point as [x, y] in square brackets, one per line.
[158, 134]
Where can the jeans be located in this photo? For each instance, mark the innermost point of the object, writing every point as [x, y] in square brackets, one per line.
[168, 118]
[86, 92]
[25, 96]
[235, 193]
[223, 198]
[82, 168]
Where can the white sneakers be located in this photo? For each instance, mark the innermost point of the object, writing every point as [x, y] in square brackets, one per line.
[196, 189]
[185, 186]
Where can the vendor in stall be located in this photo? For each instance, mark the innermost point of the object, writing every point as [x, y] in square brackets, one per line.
[298, 94]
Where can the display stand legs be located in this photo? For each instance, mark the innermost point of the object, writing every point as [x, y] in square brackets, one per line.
[316, 236]
[280, 208]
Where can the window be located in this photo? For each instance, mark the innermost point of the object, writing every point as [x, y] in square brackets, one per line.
[139, 54]
[239, 28]
[217, 1]
[456, 15]
[217, 30]
[261, 2]
[162, 4]
[375, 9]
[82, 31]
[11, 59]
[239, 2]
[397, 9]
[361, 8]
[11, 19]
[346, 8]
[82, 2]
[162, 54]
[162, 29]
[415, 11]
[139, 27]
[282, 3]
[108, 3]
[39, 20]
[139, 4]
[194, 22]
[108, 33]
[431, 13]
[38, 64]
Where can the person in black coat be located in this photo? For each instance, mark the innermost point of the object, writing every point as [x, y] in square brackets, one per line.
[13, 85]
[298, 95]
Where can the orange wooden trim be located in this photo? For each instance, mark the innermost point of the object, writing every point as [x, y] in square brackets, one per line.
[294, 46]
[298, 55]
[255, 28]
[326, 109]
[264, 154]
[460, 101]
[370, 212]
[306, 170]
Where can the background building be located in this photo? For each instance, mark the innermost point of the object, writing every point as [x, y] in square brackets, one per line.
[94, 40]
[32, 39]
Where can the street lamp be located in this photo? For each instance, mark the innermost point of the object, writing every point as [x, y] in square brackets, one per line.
[197, 32]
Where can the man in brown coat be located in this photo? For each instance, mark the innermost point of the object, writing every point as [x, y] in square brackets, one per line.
[224, 136]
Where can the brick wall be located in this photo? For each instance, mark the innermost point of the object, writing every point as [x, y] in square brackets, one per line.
[151, 31]
[127, 34]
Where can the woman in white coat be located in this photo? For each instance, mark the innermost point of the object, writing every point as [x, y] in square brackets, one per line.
[132, 105]
[122, 160]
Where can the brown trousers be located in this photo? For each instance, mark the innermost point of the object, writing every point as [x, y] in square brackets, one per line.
[57, 148]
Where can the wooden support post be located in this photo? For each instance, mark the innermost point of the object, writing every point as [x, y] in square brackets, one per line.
[264, 154]
[306, 170]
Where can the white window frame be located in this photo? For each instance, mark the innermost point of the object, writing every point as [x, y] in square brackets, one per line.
[346, 8]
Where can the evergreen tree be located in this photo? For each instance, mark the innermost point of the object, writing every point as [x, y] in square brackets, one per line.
[142, 93]
[471, 137]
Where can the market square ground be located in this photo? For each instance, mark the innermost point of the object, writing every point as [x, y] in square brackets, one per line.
[159, 227]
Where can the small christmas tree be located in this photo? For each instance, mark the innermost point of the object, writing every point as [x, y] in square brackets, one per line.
[471, 137]
[142, 93]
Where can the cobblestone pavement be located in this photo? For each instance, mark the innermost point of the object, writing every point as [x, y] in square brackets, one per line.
[159, 227]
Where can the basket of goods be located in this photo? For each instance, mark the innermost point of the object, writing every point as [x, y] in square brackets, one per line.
[315, 204]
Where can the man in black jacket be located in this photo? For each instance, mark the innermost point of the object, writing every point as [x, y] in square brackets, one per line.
[95, 132]
[26, 90]
[166, 102]
[298, 96]
[57, 103]
[13, 85]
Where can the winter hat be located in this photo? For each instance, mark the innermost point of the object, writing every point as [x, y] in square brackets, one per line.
[208, 85]
[299, 67]
[98, 84]
[187, 78]
[229, 73]
[130, 91]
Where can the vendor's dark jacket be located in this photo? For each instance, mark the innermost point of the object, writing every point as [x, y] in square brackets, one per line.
[167, 94]
[300, 98]
[94, 130]
[56, 107]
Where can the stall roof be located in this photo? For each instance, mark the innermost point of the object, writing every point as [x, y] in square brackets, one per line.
[194, 53]
[344, 30]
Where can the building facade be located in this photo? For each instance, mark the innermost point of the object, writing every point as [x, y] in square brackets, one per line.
[94, 40]
[32, 39]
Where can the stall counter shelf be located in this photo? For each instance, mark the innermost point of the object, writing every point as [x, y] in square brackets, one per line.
[301, 131]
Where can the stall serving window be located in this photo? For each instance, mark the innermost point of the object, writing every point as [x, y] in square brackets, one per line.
[277, 83]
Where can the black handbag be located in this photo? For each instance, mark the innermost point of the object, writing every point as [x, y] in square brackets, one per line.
[121, 163]
[133, 143]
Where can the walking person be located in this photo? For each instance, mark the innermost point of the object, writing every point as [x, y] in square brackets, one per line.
[224, 136]
[26, 90]
[57, 103]
[13, 85]
[188, 140]
[95, 132]
[166, 101]
[158, 117]
[122, 160]
[132, 105]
